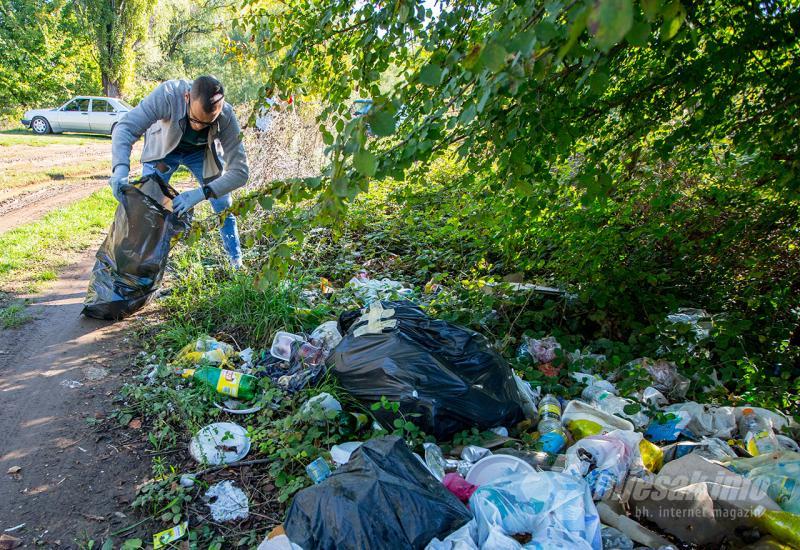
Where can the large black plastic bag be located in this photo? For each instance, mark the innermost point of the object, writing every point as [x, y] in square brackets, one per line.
[447, 374]
[132, 259]
[382, 498]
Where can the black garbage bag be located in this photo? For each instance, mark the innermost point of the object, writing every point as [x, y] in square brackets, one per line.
[382, 498]
[446, 374]
[131, 261]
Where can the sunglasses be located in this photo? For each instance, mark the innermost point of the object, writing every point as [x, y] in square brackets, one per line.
[201, 123]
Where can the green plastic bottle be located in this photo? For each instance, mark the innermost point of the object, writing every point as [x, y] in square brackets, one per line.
[227, 382]
[784, 526]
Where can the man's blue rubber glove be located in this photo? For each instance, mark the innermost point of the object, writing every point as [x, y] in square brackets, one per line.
[186, 201]
[117, 180]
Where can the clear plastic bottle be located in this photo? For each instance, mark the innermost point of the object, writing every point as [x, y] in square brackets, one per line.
[551, 435]
[757, 432]
[549, 407]
[604, 400]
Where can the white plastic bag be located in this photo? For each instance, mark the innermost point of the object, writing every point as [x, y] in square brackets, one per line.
[555, 508]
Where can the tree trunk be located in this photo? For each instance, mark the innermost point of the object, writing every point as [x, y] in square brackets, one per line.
[110, 86]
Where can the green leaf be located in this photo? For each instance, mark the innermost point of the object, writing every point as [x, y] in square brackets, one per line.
[674, 15]
[266, 202]
[651, 9]
[523, 42]
[632, 408]
[598, 82]
[493, 57]
[545, 31]
[365, 162]
[639, 34]
[610, 21]
[108, 545]
[430, 75]
[382, 123]
[468, 114]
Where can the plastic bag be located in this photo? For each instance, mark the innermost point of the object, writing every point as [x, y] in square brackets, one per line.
[666, 378]
[605, 460]
[707, 420]
[542, 351]
[384, 497]
[206, 350]
[131, 261]
[552, 509]
[448, 375]
[775, 473]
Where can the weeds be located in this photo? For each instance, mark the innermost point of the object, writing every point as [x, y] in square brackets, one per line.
[14, 315]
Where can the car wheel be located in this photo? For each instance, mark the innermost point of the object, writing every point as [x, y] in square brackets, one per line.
[112, 129]
[40, 125]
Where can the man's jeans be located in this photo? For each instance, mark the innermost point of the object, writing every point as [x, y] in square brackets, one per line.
[194, 162]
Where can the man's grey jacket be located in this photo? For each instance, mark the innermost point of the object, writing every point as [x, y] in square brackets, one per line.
[162, 115]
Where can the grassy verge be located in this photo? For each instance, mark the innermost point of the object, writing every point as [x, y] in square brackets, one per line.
[27, 137]
[34, 252]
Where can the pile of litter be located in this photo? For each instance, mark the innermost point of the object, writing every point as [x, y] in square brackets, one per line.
[605, 470]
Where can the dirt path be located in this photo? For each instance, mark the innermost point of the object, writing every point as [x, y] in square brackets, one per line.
[78, 468]
[34, 205]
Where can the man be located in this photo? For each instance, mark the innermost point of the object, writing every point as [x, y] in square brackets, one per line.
[185, 124]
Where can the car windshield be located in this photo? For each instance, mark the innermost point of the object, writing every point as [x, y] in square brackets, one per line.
[125, 104]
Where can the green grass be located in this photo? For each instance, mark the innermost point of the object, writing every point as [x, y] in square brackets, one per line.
[34, 252]
[22, 136]
[14, 315]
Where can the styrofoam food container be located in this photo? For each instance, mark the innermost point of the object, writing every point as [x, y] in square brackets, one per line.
[282, 345]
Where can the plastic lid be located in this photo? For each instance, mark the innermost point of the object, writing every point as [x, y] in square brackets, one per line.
[492, 467]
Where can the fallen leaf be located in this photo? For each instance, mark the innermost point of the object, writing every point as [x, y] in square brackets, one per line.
[7, 542]
[14, 470]
[135, 424]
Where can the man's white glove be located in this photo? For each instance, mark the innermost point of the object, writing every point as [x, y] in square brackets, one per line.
[117, 180]
[186, 201]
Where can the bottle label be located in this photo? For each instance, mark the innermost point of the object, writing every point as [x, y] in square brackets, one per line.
[550, 410]
[758, 442]
[228, 383]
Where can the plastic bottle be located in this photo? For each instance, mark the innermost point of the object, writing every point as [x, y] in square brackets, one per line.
[607, 402]
[782, 525]
[551, 435]
[757, 432]
[435, 460]
[226, 382]
[549, 407]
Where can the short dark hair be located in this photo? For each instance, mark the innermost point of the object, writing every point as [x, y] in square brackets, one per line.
[209, 91]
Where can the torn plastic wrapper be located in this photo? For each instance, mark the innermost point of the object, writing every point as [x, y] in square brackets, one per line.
[132, 259]
[227, 502]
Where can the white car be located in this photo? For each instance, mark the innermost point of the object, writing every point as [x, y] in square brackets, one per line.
[96, 115]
